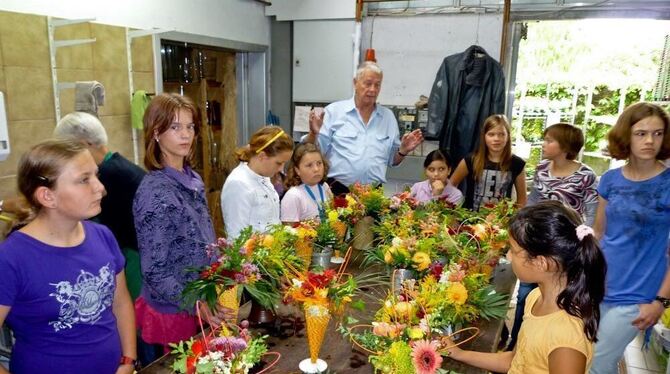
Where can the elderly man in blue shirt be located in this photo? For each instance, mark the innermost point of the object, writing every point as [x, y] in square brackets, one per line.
[359, 137]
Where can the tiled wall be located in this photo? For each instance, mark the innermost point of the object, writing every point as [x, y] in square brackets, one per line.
[25, 78]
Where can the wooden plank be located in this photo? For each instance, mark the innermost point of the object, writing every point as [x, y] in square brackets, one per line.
[205, 136]
[229, 126]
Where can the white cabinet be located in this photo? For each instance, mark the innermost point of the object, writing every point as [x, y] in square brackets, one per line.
[323, 60]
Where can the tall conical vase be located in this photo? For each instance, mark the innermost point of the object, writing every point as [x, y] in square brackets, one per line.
[303, 249]
[363, 235]
[228, 299]
[317, 318]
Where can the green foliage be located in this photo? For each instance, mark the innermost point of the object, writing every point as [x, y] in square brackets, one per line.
[491, 305]
[533, 160]
[254, 352]
[325, 236]
[595, 134]
[374, 204]
[556, 56]
[397, 360]
[532, 129]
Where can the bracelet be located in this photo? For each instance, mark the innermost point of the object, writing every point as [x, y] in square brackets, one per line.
[402, 154]
[125, 360]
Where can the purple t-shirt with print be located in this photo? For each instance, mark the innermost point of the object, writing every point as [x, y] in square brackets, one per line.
[61, 302]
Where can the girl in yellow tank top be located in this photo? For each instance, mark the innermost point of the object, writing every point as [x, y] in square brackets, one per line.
[552, 247]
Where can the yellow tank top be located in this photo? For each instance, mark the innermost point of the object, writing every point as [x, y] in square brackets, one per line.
[541, 335]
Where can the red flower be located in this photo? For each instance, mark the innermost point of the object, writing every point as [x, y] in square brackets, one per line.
[190, 364]
[321, 280]
[197, 348]
[436, 269]
[340, 202]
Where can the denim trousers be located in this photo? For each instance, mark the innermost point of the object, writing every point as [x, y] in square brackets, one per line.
[614, 334]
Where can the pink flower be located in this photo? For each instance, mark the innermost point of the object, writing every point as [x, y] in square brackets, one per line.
[425, 357]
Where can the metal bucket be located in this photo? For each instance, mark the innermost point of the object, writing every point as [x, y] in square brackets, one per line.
[399, 277]
[322, 259]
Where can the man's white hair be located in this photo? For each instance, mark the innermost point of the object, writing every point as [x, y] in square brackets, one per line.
[82, 127]
[368, 66]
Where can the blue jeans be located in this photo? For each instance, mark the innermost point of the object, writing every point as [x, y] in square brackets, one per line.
[524, 290]
[614, 334]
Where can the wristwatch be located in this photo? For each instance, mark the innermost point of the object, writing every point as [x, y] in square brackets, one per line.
[125, 360]
[664, 300]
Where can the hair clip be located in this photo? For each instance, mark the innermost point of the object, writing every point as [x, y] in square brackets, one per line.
[582, 231]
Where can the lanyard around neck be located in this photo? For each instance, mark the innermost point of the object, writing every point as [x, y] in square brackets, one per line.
[322, 211]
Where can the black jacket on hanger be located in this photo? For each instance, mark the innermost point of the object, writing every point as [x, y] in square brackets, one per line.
[468, 87]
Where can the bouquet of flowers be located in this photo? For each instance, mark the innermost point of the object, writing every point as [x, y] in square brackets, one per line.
[409, 239]
[407, 332]
[234, 270]
[320, 294]
[366, 200]
[233, 351]
[274, 252]
[403, 199]
[325, 288]
[413, 237]
[477, 240]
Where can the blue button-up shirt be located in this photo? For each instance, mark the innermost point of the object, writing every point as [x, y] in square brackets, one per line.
[358, 152]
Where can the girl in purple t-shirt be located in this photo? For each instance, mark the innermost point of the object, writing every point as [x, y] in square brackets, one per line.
[308, 193]
[63, 288]
[437, 168]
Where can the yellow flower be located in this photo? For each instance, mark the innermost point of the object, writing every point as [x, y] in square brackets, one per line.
[388, 257]
[457, 293]
[332, 216]
[350, 200]
[415, 333]
[403, 251]
[421, 261]
[404, 309]
[480, 231]
[224, 330]
[268, 240]
[304, 232]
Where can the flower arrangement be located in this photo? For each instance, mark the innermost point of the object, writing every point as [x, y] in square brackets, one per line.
[274, 252]
[324, 288]
[403, 198]
[414, 237]
[406, 336]
[436, 303]
[409, 239]
[233, 351]
[320, 294]
[232, 272]
[304, 245]
[366, 200]
[477, 240]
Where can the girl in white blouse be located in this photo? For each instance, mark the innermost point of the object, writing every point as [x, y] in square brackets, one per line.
[248, 197]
